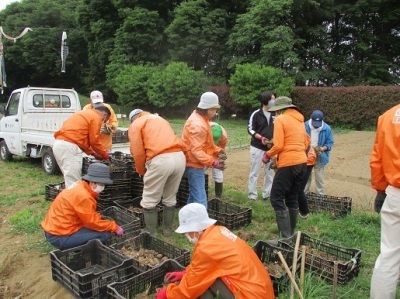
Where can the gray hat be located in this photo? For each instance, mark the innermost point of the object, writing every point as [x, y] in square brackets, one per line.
[98, 173]
[209, 100]
[282, 103]
[193, 218]
[134, 113]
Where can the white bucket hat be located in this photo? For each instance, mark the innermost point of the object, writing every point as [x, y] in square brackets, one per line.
[96, 97]
[193, 218]
[209, 100]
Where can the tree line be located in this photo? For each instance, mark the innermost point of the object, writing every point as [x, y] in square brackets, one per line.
[165, 53]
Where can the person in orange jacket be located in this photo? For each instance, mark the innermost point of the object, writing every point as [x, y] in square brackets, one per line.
[290, 144]
[107, 128]
[72, 219]
[385, 177]
[79, 133]
[221, 263]
[159, 158]
[202, 152]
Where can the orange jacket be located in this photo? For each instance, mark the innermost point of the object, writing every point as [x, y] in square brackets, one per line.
[290, 139]
[197, 136]
[74, 209]
[106, 140]
[223, 141]
[151, 135]
[385, 157]
[311, 156]
[221, 254]
[83, 129]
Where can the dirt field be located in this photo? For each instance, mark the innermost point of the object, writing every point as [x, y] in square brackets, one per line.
[27, 274]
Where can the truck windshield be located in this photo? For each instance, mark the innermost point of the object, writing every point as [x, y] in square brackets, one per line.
[12, 106]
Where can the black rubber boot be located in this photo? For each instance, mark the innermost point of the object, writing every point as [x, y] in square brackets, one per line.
[151, 220]
[293, 220]
[283, 220]
[168, 219]
[218, 190]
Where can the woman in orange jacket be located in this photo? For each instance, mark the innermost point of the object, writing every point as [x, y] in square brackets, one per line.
[222, 263]
[72, 219]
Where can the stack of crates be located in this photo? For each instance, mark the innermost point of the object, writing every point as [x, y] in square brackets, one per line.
[86, 270]
[52, 190]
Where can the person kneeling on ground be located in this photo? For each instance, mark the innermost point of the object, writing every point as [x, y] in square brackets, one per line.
[222, 265]
[72, 219]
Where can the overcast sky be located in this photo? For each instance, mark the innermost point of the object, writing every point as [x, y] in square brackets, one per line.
[3, 3]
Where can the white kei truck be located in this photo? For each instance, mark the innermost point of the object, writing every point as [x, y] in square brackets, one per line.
[31, 117]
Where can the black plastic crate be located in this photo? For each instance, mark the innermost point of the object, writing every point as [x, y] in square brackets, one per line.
[121, 165]
[136, 185]
[229, 215]
[268, 254]
[146, 241]
[87, 270]
[337, 206]
[52, 190]
[128, 222]
[120, 136]
[320, 257]
[138, 284]
[132, 206]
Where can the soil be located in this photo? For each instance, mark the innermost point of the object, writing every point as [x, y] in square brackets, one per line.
[26, 273]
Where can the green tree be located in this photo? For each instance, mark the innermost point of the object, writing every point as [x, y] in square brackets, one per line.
[177, 85]
[131, 85]
[197, 35]
[250, 80]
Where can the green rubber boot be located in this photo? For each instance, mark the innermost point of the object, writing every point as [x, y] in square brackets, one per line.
[150, 220]
[168, 220]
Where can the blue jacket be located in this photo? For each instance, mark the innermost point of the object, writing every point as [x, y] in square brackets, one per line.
[325, 138]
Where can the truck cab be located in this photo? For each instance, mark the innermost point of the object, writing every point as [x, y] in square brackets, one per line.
[31, 117]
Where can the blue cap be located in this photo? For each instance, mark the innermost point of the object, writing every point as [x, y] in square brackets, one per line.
[316, 118]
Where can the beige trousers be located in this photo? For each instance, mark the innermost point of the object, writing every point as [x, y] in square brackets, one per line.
[69, 158]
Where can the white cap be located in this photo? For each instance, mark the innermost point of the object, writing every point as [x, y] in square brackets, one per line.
[193, 218]
[208, 100]
[96, 97]
[134, 113]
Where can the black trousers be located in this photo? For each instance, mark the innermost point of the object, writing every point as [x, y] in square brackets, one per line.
[303, 204]
[286, 187]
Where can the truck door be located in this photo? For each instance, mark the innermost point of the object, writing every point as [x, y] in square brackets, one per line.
[11, 124]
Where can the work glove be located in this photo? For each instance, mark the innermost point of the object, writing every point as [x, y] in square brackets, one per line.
[162, 293]
[222, 155]
[174, 276]
[379, 200]
[96, 156]
[219, 164]
[264, 140]
[266, 158]
[105, 155]
[120, 231]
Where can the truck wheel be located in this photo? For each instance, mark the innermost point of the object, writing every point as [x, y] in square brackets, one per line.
[5, 154]
[49, 163]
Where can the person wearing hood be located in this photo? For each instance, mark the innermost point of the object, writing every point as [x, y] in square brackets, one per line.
[159, 158]
[72, 219]
[222, 264]
[290, 145]
[322, 142]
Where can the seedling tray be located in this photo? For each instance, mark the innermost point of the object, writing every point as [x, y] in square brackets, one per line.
[146, 281]
[229, 215]
[337, 206]
[146, 241]
[268, 254]
[320, 257]
[87, 270]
